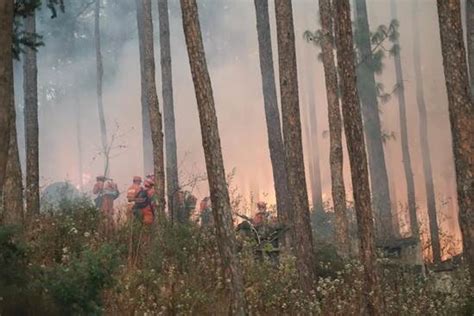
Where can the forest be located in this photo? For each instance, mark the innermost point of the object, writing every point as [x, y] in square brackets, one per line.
[236, 157]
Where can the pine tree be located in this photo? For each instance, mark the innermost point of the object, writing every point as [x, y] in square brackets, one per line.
[272, 114]
[149, 97]
[404, 135]
[367, 88]
[213, 155]
[13, 186]
[6, 81]
[425, 148]
[100, 74]
[299, 217]
[351, 110]
[461, 116]
[470, 40]
[335, 127]
[30, 90]
[172, 181]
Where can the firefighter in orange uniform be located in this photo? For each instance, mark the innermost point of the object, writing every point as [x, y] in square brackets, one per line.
[132, 193]
[262, 215]
[148, 212]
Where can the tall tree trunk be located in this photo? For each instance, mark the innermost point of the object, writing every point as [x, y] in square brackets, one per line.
[470, 40]
[313, 137]
[335, 127]
[30, 90]
[351, 111]
[272, 114]
[150, 98]
[6, 77]
[100, 74]
[148, 164]
[368, 95]
[410, 184]
[306, 126]
[298, 195]
[13, 186]
[461, 116]
[425, 148]
[172, 181]
[79, 143]
[213, 155]
[71, 54]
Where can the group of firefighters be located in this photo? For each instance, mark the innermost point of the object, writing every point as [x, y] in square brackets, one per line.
[141, 203]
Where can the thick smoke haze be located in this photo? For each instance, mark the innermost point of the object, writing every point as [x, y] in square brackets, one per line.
[68, 97]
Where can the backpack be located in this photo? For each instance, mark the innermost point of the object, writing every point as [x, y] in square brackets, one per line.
[142, 199]
[98, 201]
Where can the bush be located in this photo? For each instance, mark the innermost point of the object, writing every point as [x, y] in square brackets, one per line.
[62, 264]
[76, 288]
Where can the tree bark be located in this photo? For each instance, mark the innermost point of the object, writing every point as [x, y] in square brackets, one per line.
[470, 40]
[368, 95]
[149, 97]
[410, 184]
[30, 90]
[213, 155]
[335, 128]
[313, 137]
[172, 181]
[461, 116]
[351, 110]
[298, 196]
[100, 74]
[13, 186]
[425, 148]
[272, 114]
[6, 77]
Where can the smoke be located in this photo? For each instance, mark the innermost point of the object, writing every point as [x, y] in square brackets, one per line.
[230, 38]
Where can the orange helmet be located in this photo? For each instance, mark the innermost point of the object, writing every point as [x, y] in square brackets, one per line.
[149, 183]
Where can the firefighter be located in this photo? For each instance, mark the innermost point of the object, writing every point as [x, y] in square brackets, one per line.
[106, 191]
[205, 212]
[262, 216]
[132, 193]
[144, 208]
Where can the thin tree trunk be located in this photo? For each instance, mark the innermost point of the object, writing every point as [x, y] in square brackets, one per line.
[100, 74]
[172, 181]
[30, 90]
[313, 137]
[71, 54]
[373, 131]
[410, 184]
[461, 116]
[221, 208]
[306, 126]
[79, 143]
[150, 98]
[425, 148]
[335, 127]
[13, 186]
[351, 110]
[272, 114]
[6, 77]
[470, 39]
[298, 195]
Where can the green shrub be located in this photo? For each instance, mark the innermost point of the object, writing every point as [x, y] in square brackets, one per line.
[76, 288]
